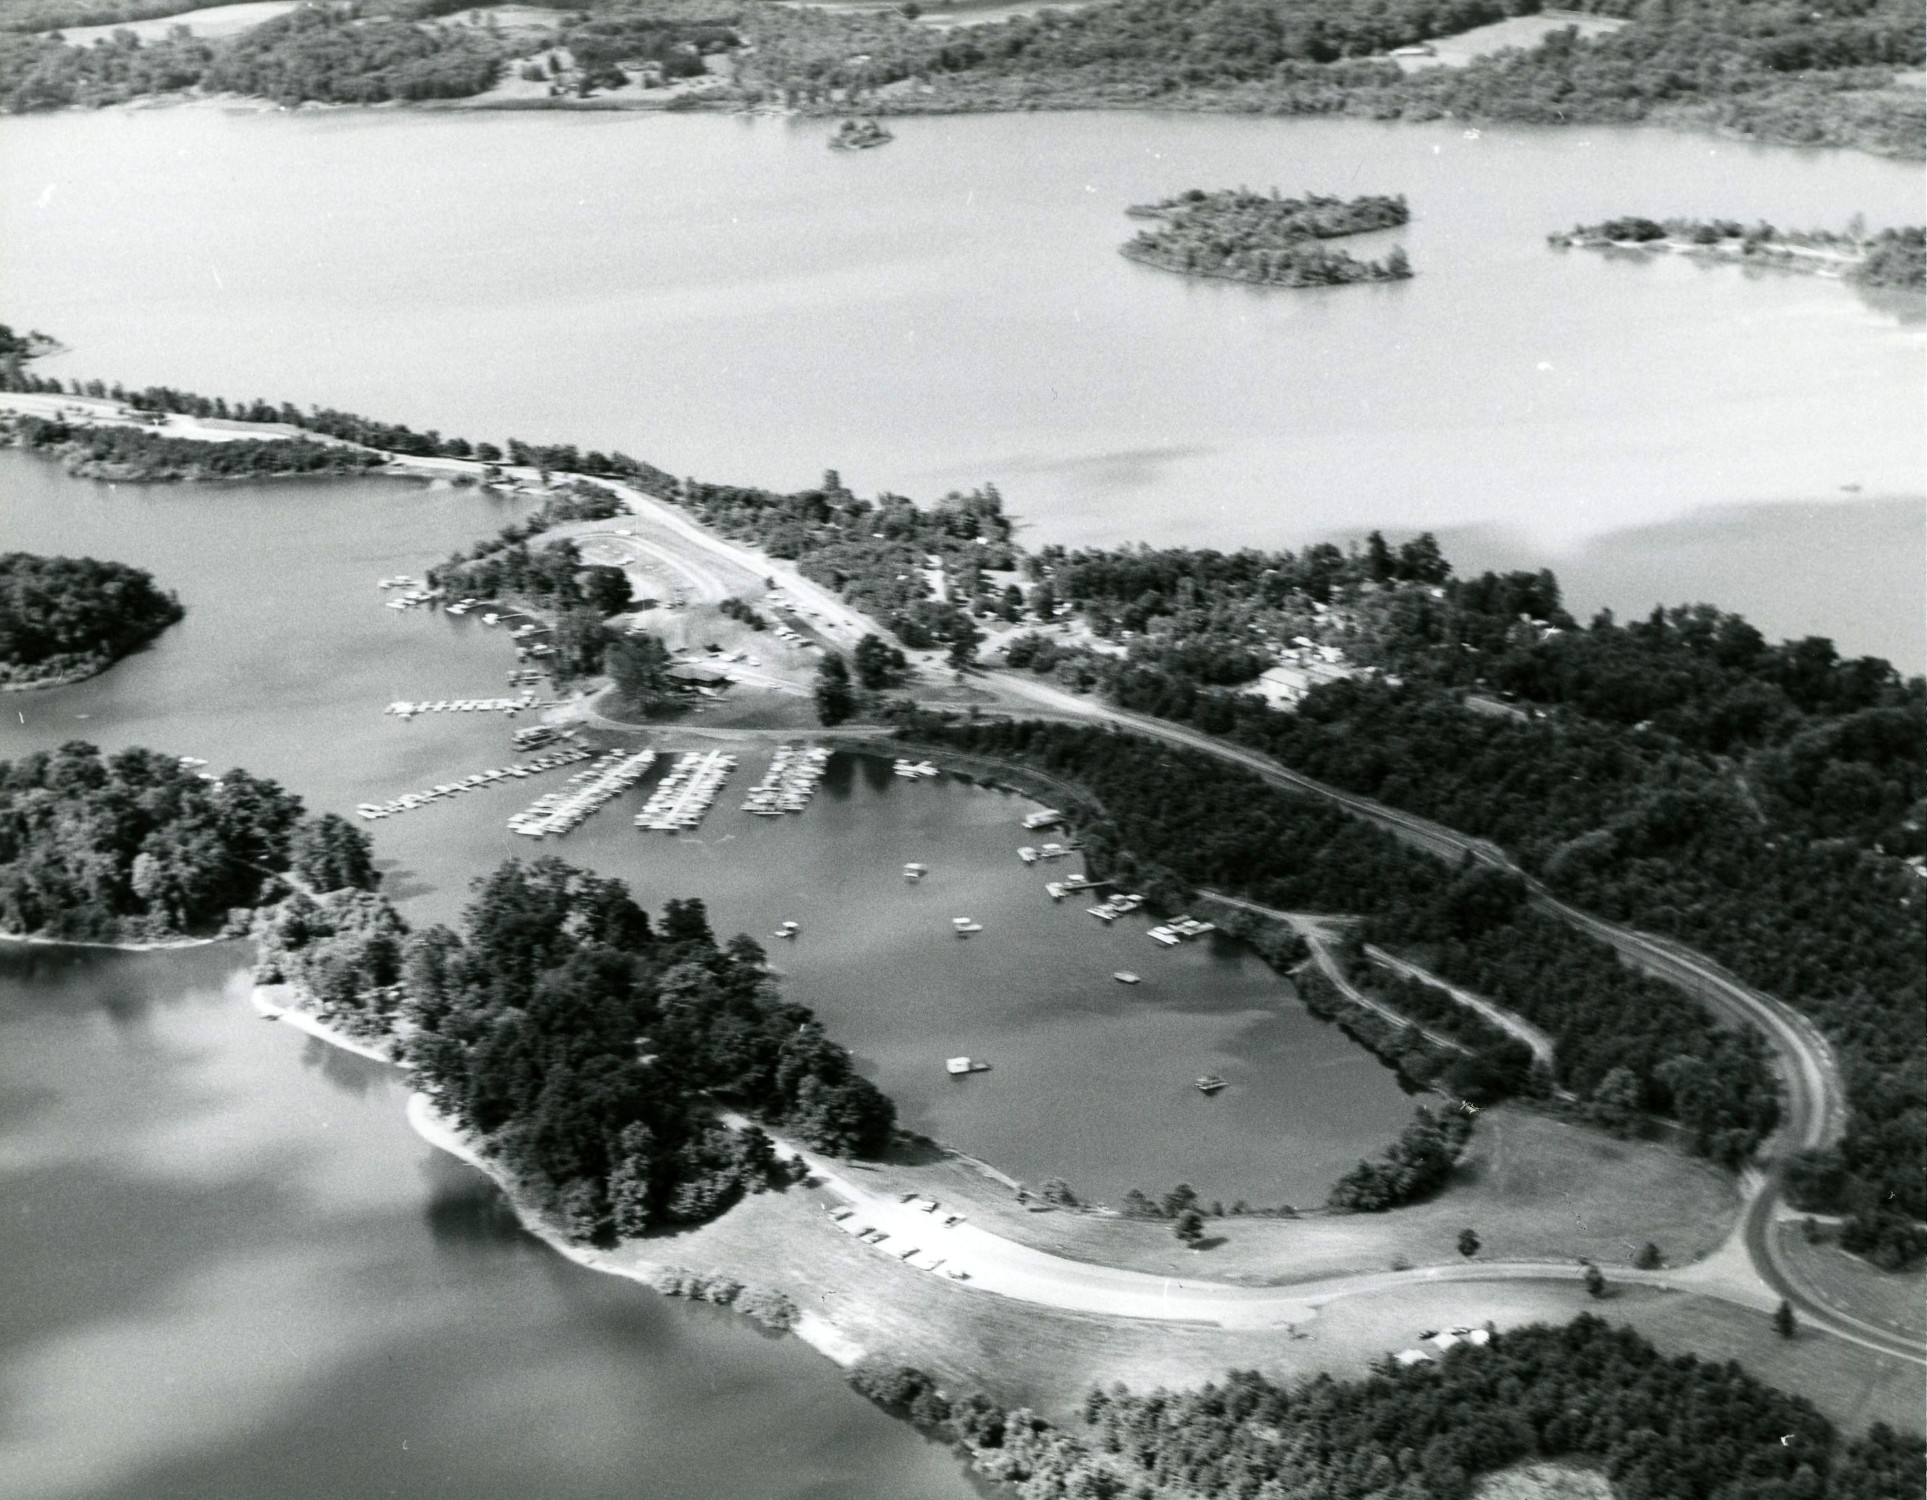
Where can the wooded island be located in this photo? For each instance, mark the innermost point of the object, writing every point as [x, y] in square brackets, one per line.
[1239, 235]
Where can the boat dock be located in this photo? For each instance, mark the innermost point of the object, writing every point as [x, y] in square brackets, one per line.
[914, 770]
[1117, 906]
[560, 812]
[1030, 856]
[402, 709]
[683, 797]
[1179, 930]
[567, 755]
[1049, 817]
[789, 783]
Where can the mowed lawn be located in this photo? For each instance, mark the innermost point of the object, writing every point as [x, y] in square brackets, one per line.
[1023, 1354]
[1530, 1188]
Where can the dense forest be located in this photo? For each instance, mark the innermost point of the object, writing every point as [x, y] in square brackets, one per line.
[1889, 258]
[586, 1044]
[1772, 69]
[313, 52]
[1246, 236]
[65, 617]
[1169, 821]
[1589, 1394]
[135, 847]
[1679, 772]
[134, 453]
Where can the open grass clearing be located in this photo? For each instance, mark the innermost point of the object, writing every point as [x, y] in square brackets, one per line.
[1530, 1187]
[1892, 1299]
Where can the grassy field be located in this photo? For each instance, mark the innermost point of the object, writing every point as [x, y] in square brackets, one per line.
[1531, 1188]
[1032, 1355]
[1545, 1482]
[1893, 1299]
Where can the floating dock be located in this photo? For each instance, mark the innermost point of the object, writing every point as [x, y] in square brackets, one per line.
[567, 755]
[789, 783]
[403, 709]
[914, 770]
[683, 798]
[562, 812]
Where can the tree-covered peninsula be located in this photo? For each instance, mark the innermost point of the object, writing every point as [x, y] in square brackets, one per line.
[64, 618]
[585, 1045]
[128, 454]
[1238, 235]
[138, 847]
[1889, 258]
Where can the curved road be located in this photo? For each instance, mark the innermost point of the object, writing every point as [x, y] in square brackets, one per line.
[1815, 1098]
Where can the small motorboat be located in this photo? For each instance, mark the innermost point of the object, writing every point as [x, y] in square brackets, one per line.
[1125, 976]
[1211, 1084]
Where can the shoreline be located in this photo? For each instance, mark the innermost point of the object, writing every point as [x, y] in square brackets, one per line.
[155, 945]
[442, 1133]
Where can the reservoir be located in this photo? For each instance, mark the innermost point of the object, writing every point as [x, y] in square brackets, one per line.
[727, 298]
[284, 664]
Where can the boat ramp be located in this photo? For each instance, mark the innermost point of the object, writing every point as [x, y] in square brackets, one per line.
[566, 755]
[560, 812]
[683, 798]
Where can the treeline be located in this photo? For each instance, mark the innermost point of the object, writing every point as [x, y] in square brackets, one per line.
[314, 52]
[1586, 1393]
[1410, 1170]
[587, 1045]
[1777, 70]
[67, 616]
[134, 453]
[1175, 820]
[1496, 1065]
[134, 846]
[877, 554]
[1246, 236]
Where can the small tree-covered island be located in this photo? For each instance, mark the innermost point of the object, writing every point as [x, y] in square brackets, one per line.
[1889, 258]
[1239, 235]
[140, 847]
[65, 618]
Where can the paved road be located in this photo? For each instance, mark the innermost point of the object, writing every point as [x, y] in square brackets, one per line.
[1814, 1104]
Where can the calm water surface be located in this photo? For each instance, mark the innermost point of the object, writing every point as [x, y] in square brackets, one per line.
[286, 659]
[230, 1271]
[727, 297]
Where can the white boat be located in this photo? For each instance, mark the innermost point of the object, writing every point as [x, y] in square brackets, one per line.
[1125, 976]
[964, 929]
[962, 1065]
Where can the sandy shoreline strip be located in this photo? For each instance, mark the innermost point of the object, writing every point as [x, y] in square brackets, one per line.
[443, 1134]
[158, 945]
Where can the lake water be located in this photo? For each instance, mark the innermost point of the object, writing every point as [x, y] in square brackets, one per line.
[286, 659]
[230, 1271]
[726, 297]
[233, 1271]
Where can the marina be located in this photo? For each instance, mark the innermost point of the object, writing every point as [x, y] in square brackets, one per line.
[789, 783]
[560, 812]
[683, 798]
[554, 760]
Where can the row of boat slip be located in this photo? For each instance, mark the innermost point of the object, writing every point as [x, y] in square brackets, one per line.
[406, 710]
[1059, 889]
[789, 783]
[566, 755]
[1117, 906]
[399, 581]
[683, 798]
[1030, 856]
[560, 812]
[1178, 929]
[913, 770]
